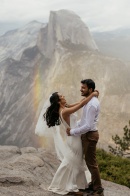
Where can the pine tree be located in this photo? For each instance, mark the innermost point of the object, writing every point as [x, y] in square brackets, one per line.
[122, 144]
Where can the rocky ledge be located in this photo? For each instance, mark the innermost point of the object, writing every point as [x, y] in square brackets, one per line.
[29, 171]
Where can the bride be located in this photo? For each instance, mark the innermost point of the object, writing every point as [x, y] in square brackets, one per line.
[70, 176]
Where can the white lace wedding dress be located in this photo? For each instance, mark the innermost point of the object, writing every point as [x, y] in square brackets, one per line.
[70, 175]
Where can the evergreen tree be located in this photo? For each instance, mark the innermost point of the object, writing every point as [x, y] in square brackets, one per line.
[122, 144]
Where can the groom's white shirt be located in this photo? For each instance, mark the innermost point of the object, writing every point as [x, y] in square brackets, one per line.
[89, 118]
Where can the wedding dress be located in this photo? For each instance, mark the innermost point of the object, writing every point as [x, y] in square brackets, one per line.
[70, 175]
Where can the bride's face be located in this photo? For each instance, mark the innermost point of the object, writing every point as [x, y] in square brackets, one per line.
[62, 99]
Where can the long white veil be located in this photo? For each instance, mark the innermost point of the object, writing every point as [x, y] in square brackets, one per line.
[52, 132]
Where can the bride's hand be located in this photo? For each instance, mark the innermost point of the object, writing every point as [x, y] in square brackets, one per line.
[68, 131]
[96, 93]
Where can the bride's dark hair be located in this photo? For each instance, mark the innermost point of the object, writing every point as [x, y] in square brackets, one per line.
[51, 115]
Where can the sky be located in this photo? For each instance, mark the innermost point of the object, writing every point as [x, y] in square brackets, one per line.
[99, 15]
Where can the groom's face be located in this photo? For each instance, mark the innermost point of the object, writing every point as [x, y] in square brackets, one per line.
[84, 90]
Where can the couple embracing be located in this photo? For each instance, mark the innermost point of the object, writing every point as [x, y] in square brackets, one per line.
[81, 139]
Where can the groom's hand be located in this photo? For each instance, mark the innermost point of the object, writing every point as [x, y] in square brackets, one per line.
[68, 131]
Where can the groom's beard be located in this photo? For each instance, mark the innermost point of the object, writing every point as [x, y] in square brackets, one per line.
[85, 94]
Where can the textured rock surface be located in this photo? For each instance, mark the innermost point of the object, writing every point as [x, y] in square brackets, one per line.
[65, 25]
[29, 171]
[19, 40]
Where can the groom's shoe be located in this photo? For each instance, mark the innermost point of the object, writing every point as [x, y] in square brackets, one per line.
[98, 192]
[79, 193]
[89, 189]
[70, 193]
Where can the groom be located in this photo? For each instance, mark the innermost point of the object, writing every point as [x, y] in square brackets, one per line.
[89, 135]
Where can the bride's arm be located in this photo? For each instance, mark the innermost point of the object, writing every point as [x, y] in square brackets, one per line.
[74, 104]
[71, 105]
[68, 111]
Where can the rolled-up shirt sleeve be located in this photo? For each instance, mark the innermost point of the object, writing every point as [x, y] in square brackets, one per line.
[89, 124]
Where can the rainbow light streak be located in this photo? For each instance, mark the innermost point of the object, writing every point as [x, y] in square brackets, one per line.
[37, 97]
[37, 88]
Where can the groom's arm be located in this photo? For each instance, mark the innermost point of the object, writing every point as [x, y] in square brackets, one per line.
[68, 129]
[88, 125]
[78, 123]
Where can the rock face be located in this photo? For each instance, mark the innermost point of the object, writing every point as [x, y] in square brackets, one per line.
[25, 171]
[29, 171]
[59, 55]
[67, 26]
[13, 43]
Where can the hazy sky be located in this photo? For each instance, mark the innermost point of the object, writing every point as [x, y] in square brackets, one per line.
[99, 15]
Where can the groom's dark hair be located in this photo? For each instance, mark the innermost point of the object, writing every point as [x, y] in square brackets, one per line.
[89, 82]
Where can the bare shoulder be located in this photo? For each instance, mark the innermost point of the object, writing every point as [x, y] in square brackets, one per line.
[64, 111]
